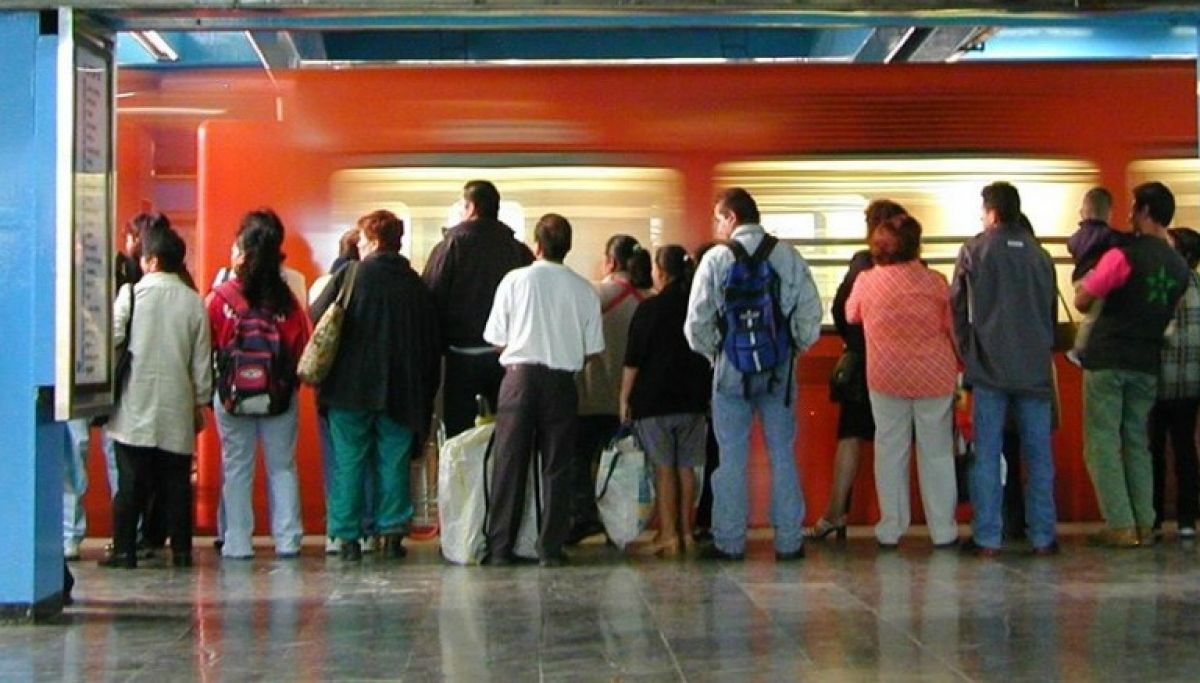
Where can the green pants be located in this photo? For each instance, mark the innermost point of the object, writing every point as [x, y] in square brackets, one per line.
[1116, 407]
[355, 435]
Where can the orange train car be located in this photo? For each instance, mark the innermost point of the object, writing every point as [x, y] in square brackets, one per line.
[641, 149]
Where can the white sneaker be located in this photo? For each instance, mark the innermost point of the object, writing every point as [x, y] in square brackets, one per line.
[332, 546]
[370, 544]
[1074, 359]
[70, 550]
[1187, 533]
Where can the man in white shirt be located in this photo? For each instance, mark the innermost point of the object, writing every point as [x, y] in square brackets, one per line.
[546, 321]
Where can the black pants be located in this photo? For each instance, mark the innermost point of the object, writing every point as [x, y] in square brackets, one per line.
[468, 376]
[712, 458]
[1014, 492]
[140, 471]
[1176, 417]
[537, 410]
[592, 435]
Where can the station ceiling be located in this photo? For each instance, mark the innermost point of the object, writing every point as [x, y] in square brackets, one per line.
[168, 34]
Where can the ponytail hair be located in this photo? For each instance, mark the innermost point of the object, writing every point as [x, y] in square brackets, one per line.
[675, 262]
[260, 239]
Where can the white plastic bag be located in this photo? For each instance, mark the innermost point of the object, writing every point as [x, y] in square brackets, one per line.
[624, 489]
[462, 506]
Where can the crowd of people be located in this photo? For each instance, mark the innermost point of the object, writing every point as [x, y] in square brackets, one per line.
[682, 350]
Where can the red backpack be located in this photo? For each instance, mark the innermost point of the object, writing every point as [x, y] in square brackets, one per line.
[254, 376]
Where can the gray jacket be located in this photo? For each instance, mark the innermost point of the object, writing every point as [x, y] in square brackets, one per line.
[1003, 296]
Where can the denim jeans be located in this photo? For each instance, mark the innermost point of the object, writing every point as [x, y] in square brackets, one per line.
[733, 414]
[1116, 444]
[990, 409]
[239, 440]
[75, 480]
[328, 463]
[355, 433]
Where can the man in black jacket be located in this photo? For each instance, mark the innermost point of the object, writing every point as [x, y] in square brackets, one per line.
[463, 272]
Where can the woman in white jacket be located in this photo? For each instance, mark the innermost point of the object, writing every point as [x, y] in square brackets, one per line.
[160, 410]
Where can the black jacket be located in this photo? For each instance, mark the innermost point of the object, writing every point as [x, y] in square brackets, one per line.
[851, 334]
[389, 356]
[463, 272]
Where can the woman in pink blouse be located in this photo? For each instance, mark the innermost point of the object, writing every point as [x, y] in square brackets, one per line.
[911, 369]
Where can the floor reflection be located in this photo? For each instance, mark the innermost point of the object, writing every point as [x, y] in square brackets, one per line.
[848, 612]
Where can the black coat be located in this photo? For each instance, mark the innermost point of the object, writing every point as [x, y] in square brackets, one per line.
[389, 356]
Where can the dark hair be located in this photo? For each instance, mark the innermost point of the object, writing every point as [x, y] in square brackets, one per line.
[630, 257]
[739, 202]
[1187, 243]
[1002, 198]
[674, 261]
[260, 239]
[1157, 199]
[484, 195]
[881, 210]
[140, 222]
[892, 243]
[348, 245]
[383, 227]
[1024, 222]
[553, 234]
[161, 242]
[1097, 202]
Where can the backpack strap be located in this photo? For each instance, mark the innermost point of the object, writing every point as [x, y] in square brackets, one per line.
[627, 290]
[231, 294]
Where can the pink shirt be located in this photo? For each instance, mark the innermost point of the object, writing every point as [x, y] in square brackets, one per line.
[1110, 273]
[905, 312]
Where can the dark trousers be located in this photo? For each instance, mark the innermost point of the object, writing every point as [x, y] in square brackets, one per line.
[712, 458]
[140, 471]
[468, 376]
[1013, 508]
[1176, 417]
[536, 410]
[594, 432]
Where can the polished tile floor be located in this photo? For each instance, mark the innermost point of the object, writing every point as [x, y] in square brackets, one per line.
[847, 613]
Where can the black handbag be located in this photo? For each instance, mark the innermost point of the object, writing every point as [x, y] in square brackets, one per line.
[847, 382]
[124, 354]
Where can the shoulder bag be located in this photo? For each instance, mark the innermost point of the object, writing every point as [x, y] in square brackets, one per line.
[317, 359]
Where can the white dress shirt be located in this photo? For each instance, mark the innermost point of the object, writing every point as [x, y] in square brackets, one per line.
[172, 364]
[545, 314]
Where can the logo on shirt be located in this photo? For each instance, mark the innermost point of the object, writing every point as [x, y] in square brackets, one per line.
[1160, 285]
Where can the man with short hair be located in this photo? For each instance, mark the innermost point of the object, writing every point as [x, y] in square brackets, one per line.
[1140, 283]
[463, 272]
[1003, 297]
[546, 322]
[738, 395]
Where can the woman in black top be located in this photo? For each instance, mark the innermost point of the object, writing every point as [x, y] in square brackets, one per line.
[664, 392]
[855, 423]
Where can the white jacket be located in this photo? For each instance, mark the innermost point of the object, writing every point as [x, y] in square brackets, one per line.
[172, 360]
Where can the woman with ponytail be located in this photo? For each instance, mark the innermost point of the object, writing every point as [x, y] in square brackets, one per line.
[665, 388]
[259, 330]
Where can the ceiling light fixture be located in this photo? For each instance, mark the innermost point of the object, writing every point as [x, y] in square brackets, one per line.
[156, 46]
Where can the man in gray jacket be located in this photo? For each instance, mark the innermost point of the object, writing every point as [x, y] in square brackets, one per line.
[1003, 298]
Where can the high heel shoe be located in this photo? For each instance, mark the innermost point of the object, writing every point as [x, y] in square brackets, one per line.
[823, 528]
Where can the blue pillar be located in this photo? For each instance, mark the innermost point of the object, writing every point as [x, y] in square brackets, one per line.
[31, 565]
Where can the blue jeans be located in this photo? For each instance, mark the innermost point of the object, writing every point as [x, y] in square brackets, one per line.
[328, 462]
[990, 409]
[733, 414]
[75, 480]
[239, 441]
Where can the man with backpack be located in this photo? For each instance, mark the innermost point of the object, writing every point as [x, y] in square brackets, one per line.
[753, 307]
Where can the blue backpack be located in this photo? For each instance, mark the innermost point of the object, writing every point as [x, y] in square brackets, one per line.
[756, 336]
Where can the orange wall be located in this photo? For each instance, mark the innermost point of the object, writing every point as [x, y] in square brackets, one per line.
[686, 117]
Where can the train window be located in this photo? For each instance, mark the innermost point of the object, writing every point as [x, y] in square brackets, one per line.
[941, 192]
[598, 200]
[1179, 175]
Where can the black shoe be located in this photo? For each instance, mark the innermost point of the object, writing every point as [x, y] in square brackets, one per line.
[1044, 550]
[712, 552]
[582, 530]
[970, 547]
[393, 546]
[181, 559]
[556, 560]
[351, 551]
[797, 554]
[490, 560]
[702, 536]
[119, 561]
[218, 543]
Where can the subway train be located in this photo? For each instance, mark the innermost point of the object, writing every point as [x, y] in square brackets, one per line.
[641, 149]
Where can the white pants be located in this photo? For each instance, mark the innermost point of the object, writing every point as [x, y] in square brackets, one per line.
[894, 421]
[239, 439]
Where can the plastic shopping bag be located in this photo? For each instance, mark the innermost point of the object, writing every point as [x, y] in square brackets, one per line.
[624, 489]
[463, 502]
